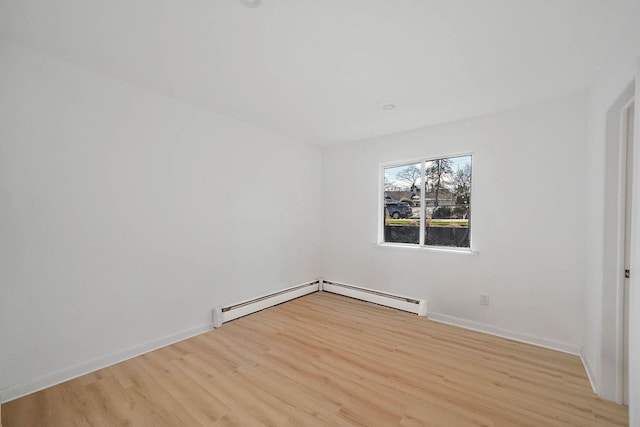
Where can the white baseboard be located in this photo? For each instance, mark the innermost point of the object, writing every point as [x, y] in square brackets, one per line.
[412, 305]
[504, 333]
[589, 370]
[225, 314]
[18, 390]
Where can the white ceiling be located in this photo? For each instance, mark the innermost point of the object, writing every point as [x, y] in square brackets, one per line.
[320, 70]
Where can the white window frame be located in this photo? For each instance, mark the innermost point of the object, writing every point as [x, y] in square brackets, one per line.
[421, 245]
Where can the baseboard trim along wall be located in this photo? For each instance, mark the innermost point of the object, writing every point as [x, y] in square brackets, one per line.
[588, 370]
[18, 390]
[222, 314]
[505, 333]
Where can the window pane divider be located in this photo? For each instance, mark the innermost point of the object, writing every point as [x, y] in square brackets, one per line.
[450, 225]
[423, 204]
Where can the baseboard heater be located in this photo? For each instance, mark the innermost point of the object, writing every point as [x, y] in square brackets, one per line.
[412, 305]
[228, 313]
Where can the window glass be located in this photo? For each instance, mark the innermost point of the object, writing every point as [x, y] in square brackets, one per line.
[402, 206]
[445, 195]
[447, 200]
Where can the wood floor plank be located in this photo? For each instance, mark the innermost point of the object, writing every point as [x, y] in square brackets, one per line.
[324, 360]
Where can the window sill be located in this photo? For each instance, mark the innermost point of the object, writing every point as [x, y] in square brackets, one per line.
[464, 251]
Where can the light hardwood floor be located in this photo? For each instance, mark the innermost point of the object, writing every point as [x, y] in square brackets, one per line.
[325, 360]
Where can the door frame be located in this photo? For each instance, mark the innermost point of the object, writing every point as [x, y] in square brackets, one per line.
[634, 283]
[629, 146]
[613, 331]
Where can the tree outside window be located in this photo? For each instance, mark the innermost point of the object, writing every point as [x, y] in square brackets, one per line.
[445, 195]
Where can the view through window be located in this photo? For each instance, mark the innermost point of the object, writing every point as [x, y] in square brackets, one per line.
[428, 202]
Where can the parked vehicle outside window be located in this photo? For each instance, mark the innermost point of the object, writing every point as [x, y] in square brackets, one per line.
[398, 209]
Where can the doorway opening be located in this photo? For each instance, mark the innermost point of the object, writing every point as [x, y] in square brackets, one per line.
[628, 124]
[617, 243]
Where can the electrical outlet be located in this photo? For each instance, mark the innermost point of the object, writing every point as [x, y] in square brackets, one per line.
[484, 299]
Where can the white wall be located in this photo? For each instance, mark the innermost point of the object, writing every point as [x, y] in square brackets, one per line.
[601, 351]
[600, 318]
[528, 221]
[125, 216]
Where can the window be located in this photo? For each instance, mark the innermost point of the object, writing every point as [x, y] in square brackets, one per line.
[428, 203]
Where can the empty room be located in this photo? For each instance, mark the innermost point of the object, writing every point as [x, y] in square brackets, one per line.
[319, 212]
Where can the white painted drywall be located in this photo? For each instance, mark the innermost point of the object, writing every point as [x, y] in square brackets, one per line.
[125, 216]
[600, 319]
[321, 70]
[528, 220]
